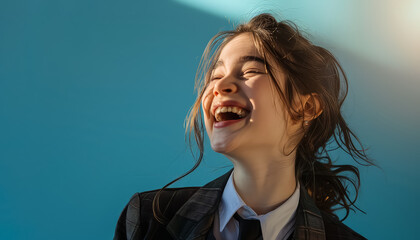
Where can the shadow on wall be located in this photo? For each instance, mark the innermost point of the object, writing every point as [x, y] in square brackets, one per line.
[90, 94]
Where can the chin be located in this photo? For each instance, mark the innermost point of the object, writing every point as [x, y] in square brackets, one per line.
[224, 147]
[219, 148]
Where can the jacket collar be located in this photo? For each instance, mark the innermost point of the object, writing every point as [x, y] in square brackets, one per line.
[309, 223]
[195, 218]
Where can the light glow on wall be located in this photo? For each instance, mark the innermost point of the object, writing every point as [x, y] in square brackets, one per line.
[384, 32]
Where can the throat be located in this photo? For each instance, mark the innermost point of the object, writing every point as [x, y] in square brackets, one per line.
[264, 191]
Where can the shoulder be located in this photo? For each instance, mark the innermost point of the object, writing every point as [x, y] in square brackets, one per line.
[170, 200]
[334, 229]
[139, 210]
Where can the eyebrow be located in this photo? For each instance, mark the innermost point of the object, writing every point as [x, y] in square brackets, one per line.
[243, 59]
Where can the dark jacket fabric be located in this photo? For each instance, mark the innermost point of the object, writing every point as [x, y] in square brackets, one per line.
[190, 212]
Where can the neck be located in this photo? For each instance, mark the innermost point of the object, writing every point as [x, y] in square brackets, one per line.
[266, 185]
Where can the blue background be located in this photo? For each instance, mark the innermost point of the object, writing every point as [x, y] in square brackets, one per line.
[93, 96]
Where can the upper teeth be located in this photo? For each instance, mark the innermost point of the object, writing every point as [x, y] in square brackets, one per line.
[241, 112]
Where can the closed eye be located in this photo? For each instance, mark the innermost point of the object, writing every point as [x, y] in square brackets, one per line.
[251, 73]
[215, 78]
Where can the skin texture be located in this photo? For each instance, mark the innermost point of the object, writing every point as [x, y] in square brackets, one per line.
[258, 145]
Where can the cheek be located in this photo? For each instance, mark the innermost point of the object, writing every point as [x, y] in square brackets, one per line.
[270, 109]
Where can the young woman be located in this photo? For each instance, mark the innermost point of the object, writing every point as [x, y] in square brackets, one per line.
[271, 103]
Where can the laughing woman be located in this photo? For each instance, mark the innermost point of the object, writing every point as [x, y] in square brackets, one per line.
[271, 103]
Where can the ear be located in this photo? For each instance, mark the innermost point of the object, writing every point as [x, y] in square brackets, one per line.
[311, 107]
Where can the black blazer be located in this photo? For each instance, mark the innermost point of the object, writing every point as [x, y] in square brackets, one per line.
[190, 213]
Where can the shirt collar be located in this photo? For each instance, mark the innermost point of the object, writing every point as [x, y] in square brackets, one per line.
[231, 202]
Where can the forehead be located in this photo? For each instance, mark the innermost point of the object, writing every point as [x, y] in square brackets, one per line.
[241, 45]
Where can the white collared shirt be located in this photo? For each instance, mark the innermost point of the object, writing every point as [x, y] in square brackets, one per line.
[275, 225]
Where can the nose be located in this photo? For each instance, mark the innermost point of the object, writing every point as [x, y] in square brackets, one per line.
[225, 86]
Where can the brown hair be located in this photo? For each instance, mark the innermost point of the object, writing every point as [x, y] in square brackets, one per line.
[308, 69]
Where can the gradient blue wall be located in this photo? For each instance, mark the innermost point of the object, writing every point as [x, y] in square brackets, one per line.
[93, 96]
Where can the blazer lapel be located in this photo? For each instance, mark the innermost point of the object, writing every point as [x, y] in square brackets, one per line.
[309, 223]
[195, 218]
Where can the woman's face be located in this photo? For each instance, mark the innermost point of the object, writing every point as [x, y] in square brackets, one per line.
[241, 112]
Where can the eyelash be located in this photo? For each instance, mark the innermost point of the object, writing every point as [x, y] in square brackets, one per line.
[251, 71]
[244, 73]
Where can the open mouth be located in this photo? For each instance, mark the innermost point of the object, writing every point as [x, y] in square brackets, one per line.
[229, 114]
